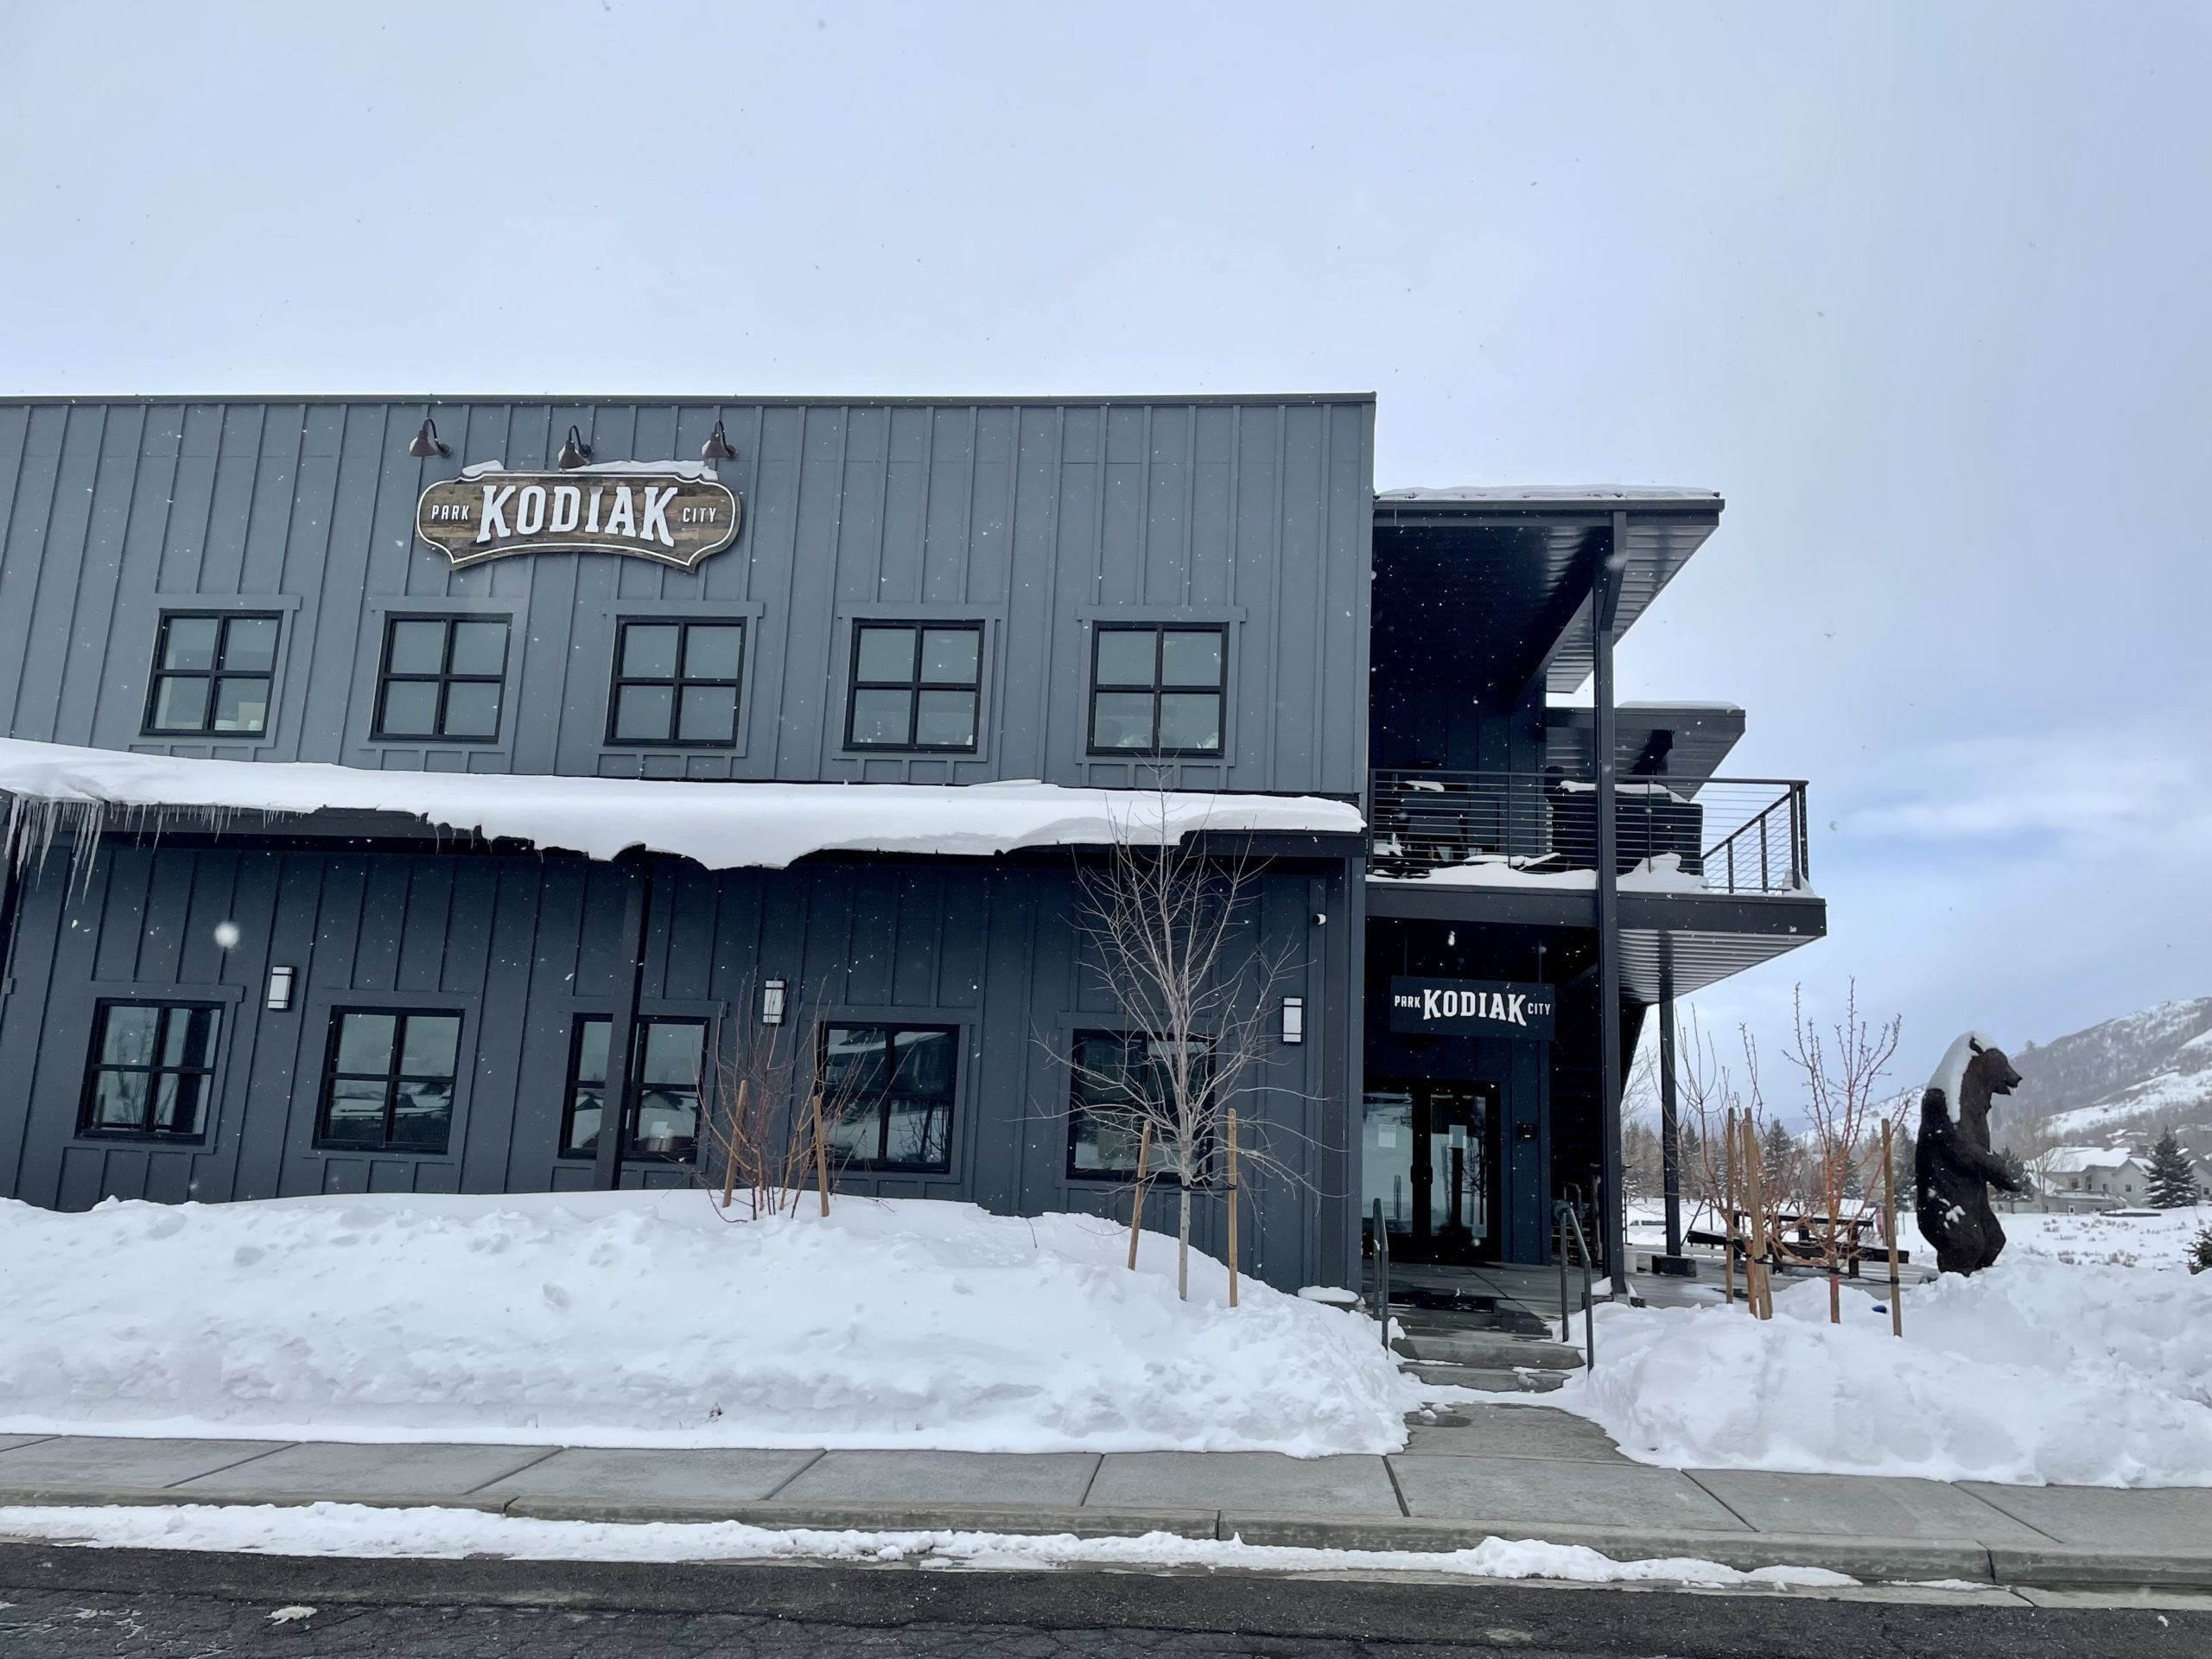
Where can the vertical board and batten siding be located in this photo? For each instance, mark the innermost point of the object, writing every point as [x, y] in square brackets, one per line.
[1037, 519]
[520, 946]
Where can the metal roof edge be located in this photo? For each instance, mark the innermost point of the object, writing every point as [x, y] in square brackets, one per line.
[689, 400]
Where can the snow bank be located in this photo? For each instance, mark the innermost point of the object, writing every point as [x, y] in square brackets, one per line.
[644, 1319]
[721, 825]
[2034, 1371]
[360, 1530]
[1662, 874]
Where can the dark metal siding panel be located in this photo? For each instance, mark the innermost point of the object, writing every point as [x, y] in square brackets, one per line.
[519, 946]
[1021, 515]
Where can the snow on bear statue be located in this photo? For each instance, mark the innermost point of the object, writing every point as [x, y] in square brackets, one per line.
[1953, 1166]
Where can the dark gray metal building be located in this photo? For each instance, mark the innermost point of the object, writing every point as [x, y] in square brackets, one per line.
[1095, 594]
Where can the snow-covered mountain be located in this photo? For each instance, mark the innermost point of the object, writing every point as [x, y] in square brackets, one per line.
[2140, 1071]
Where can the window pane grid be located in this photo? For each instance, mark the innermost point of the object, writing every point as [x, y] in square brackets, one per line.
[390, 1082]
[892, 1089]
[1158, 690]
[212, 675]
[667, 1093]
[443, 677]
[676, 684]
[1112, 1071]
[915, 686]
[152, 1071]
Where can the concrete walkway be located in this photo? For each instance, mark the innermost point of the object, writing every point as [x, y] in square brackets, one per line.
[1515, 1472]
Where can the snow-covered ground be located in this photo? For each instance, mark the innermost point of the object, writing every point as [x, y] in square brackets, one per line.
[644, 1319]
[354, 1529]
[2084, 1357]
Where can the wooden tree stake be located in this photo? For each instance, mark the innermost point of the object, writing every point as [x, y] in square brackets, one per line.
[1729, 1196]
[1755, 1271]
[1232, 1206]
[1890, 1227]
[821, 1155]
[1136, 1206]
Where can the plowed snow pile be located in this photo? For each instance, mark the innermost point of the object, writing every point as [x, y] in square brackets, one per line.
[2036, 1370]
[644, 1319]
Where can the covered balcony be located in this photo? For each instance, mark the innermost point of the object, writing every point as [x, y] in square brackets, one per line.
[1732, 835]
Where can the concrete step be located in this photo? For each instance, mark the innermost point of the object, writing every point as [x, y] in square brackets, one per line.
[1491, 1349]
[1489, 1379]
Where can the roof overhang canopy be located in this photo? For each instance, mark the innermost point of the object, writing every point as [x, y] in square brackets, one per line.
[1508, 576]
[1681, 941]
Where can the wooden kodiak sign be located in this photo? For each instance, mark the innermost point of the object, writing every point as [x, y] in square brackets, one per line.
[1472, 1007]
[675, 513]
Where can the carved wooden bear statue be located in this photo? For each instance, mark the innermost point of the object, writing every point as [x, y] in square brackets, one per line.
[1952, 1165]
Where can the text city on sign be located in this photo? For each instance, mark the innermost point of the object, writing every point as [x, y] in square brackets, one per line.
[673, 515]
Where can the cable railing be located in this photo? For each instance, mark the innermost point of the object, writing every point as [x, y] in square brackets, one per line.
[1723, 835]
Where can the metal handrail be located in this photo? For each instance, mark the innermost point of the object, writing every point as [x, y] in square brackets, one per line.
[1738, 835]
[1382, 1275]
[1564, 1210]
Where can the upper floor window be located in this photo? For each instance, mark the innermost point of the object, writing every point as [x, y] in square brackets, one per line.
[212, 674]
[668, 1070]
[1156, 690]
[1119, 1081]
[915, 686]
[443, 676]
[390, 1080]
[676, 682]
[891, 1087]
[153, 1069]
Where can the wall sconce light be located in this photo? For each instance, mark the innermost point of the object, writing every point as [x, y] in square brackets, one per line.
[716, 447]
[280, 989]
[1294, 1018]
[426, 443]
[771, 1003]
[575, 452]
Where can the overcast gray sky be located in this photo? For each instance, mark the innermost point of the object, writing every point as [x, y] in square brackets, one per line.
[1921, 288]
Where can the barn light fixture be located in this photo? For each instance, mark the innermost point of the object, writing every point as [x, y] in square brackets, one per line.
[771, 1003]
[716, 447]
[426, 443]
[1294, 1018]
[280, 989]
[575, 452]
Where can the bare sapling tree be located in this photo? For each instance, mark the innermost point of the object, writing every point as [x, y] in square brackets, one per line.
[1705, 1094]
[1171, 930]
[766, 1128]
[1841, 1068]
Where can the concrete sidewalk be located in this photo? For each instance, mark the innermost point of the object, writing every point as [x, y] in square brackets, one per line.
[1514, 1472]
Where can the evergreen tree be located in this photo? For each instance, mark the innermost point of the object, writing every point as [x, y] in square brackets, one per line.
[2173, 1183]
[2200, 1250]
[1780, 1166]
[1901, 1156]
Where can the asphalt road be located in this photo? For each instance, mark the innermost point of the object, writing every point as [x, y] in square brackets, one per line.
[184, 1606]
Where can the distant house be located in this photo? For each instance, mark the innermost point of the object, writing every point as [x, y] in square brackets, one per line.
[2094, 1178]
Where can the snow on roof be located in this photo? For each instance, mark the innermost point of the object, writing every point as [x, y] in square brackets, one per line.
[1950, 1077]
[2073, 1160]
[1518, 493]
[721, 825]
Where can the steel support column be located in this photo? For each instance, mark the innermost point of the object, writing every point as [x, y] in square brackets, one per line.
[1604, 611]
[622, 1031]
[1670, 1132]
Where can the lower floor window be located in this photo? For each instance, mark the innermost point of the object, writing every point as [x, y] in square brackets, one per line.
[389, 1082]
[667, 1068]
[153, 1069]
[890, 1088]
[1119, 1079]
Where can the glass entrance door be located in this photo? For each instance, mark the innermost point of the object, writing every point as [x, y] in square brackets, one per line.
[1429, 1155]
